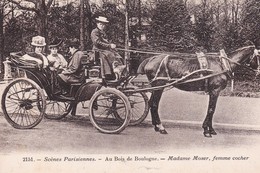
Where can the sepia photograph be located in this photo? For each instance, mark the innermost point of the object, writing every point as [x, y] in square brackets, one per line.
[129, 86]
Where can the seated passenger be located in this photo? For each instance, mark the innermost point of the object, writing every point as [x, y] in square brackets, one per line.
[104, 47]
[74, 72]
[57, 61]
[38, 42]
[56, 64]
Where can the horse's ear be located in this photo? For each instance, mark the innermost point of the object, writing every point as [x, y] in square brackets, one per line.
[249, 43]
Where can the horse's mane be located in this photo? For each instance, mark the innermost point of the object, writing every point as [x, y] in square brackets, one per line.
[240, 49]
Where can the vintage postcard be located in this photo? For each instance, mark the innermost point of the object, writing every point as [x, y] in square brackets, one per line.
[129, 86]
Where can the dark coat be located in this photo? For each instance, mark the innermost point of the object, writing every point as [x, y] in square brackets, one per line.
[99, 39]
[105, 54]
[74, 73]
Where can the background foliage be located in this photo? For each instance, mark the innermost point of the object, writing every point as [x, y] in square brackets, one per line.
[169, 25]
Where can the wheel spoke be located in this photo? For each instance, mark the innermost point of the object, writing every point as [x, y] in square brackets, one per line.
[20, 103]
[103, 106]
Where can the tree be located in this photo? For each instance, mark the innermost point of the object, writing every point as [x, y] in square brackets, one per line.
[40, 8]
[13, 36]
[171, 27]
[204, 26]
[85, 23]
[2, 13]
[82, 25]
[5, 10]
[88, 23]
[250, 23]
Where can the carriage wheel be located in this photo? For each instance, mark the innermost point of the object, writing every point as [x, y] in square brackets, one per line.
[21, 100]
[139, 108]
[102, 110]
[56, 110]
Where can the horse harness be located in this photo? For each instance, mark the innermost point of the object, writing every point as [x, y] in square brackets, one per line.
[203, 63]
[257, 55]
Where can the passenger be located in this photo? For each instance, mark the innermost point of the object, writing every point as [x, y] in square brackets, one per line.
[57, 61]
[104, 47]
[74, 72]
[39, 43]
[56, 64]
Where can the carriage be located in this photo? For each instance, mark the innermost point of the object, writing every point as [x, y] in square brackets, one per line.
[115, 104]
[26, 100]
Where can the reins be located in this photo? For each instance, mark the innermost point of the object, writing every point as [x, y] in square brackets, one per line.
[234, 62]
[181, 54]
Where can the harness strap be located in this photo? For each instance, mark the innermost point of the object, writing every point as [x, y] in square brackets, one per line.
[164, 62]
[202, 60]
[224, 60]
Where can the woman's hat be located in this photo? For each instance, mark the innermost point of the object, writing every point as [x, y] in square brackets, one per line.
[55, 43]
[102, 19]
[38, 41]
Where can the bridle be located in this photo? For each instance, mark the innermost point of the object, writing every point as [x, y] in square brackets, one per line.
[247, 65]
[257, 56]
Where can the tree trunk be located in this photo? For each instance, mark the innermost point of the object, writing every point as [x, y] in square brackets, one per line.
[1, 38]
[127, 54]
[226, 20]
[139, 19]
[82, 25]
[88, 23]
[42, 19]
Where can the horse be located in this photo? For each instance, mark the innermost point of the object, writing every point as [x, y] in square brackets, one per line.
[160, 69]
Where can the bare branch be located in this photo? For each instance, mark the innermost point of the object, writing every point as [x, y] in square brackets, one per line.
[6, 14]
[32, 1]
[49, 3]
[23, 7]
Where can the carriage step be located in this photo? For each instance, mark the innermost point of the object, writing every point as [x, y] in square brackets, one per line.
[67, 98]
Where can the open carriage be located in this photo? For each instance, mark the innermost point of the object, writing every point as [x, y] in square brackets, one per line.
[25, 101]
[115, 104]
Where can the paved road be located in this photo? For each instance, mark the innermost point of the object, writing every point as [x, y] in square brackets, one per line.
[77, 135]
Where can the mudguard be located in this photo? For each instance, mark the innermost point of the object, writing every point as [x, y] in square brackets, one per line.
[86, 91]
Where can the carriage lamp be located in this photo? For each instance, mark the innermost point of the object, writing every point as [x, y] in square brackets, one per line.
[7, 70]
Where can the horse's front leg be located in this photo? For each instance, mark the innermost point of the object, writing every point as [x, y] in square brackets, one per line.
[207, 124]
[154, 106]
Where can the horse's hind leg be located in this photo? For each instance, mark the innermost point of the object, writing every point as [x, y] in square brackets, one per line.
[154, 105]
[74, 109]
[207, 124]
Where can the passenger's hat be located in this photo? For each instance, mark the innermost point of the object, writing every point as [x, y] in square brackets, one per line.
[102, 19]
[55, 43]
[38, 41]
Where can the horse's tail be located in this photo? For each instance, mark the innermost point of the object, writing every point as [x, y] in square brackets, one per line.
[141, 67]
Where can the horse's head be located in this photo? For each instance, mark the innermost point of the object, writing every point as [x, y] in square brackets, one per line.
[248, 56]
[254, 61]
[243, 54]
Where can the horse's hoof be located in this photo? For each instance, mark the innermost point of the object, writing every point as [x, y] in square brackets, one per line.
[207, 135]
[163, 131]
[213, 132]
[156, 129]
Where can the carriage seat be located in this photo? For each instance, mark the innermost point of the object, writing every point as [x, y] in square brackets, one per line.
[17, 61]
[90, 58]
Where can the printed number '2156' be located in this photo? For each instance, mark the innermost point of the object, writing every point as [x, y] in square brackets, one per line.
[27, 159]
